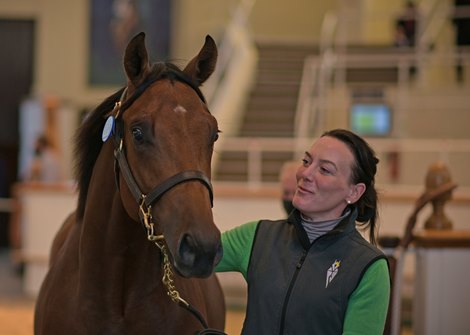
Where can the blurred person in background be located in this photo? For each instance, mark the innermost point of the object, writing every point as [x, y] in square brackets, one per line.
[45, 165]
[288, 183]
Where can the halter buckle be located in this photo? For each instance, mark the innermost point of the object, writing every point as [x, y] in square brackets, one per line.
[146, 217]
[117, 108]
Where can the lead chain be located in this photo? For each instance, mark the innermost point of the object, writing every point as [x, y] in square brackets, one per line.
[167, 278]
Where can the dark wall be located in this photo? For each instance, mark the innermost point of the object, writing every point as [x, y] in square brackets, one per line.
[16, 68]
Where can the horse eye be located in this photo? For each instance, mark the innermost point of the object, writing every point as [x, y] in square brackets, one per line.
[216, 137]
[137, 134]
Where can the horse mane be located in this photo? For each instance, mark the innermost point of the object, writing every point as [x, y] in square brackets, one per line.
[88, 142]
[88, 145]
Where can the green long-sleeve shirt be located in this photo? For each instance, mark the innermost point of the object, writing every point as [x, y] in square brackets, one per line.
[368, 302]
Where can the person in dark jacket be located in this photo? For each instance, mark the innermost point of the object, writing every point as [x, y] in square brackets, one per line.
[314, 273]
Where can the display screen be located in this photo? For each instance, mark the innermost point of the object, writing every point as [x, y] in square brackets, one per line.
[370, 119]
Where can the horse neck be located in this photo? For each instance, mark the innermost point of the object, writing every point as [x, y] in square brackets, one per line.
[108, 232]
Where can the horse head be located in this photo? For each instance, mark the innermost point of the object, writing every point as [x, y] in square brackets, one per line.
[165, 135]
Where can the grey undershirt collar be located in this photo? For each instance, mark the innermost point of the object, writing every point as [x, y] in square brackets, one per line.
[316, 229]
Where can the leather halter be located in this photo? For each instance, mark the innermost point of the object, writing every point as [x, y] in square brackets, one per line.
[146, 200]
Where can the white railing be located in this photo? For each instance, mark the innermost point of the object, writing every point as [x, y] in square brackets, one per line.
[313, 85]
[233, 41]
[227, 90]
[444, 150]
[307, 102]
[317, 81]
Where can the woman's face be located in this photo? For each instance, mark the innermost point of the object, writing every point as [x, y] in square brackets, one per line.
[324, 180]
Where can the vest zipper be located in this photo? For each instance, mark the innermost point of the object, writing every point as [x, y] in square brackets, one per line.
[289, 290]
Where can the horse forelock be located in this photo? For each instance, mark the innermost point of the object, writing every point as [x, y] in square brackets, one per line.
[172, 72]
[88, 142]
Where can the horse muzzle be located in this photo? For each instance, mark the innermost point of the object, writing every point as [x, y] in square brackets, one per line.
[194, 258]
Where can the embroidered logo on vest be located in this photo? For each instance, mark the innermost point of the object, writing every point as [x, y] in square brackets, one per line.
[332, 272]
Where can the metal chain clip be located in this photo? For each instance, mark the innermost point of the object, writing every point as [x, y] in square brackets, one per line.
[167, 278]
[146, 215]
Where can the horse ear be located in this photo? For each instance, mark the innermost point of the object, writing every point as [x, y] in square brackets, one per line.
[136, 61]
[201, 67]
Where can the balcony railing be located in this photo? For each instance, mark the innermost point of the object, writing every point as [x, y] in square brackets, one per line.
[415, 157]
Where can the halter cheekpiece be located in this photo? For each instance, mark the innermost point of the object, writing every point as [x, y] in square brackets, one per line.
[114, 125]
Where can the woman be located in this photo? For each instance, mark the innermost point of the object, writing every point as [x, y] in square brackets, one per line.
[314, 273]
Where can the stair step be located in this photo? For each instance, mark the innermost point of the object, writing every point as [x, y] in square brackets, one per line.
[288, 77]
[270, 110]
[276, 88]
[233, 166]
[267, 52]
[266, 133]
[265, 126]
[280, 102]
[281, 65]
[375, 75]
[269, 116]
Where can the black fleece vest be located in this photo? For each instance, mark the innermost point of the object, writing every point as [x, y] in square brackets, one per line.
[295, 287]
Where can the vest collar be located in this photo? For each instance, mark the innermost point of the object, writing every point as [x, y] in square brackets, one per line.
[345, 226]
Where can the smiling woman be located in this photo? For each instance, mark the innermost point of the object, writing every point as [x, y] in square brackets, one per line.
[313, 272]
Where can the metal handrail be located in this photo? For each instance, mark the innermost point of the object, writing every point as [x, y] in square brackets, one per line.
[315, 75]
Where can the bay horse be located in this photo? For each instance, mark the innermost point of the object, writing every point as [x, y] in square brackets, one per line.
[144, 211]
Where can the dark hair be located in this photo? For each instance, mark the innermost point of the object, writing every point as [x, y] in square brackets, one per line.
[363, 171]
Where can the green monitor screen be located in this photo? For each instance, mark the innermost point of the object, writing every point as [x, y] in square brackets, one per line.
[370, 119]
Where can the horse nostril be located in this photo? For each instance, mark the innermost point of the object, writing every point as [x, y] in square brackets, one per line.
[187, 250]
[196, 258]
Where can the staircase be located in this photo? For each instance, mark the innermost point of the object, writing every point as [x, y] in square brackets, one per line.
[271, 107]
[270, 110]
[380, 75]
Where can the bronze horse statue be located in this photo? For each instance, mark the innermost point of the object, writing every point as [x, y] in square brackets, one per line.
[143, 167]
